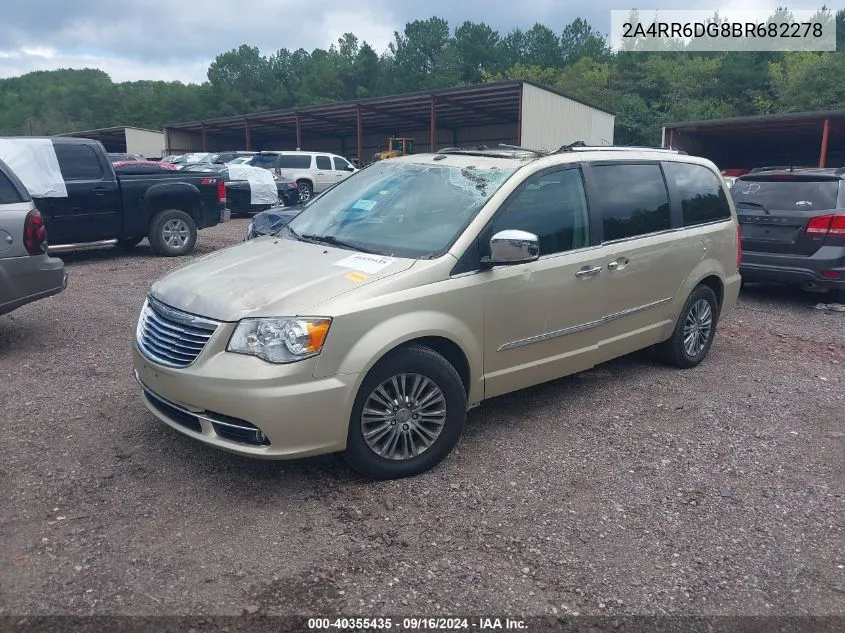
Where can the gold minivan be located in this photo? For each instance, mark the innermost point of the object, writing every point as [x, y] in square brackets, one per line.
[420, 286]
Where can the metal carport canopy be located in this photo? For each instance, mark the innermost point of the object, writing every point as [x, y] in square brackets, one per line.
[806, 138]
[450, 108]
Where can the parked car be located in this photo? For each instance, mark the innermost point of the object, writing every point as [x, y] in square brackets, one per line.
[191, 159]
[271, 221]
[314, 172]
[115, 157]
[85, 202]
[142, 166]
[426, 284]
[793, 227]
[221, 158]
[239, 192]
[27, 273]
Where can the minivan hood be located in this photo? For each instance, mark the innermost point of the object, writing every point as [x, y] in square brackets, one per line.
[270, 276]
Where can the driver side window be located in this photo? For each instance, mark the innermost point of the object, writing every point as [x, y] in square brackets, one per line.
[553, 206]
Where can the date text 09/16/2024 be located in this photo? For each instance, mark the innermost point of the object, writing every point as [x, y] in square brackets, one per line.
[416, 624]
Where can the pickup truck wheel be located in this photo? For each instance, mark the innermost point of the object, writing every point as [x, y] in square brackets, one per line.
[172, 233]
[305, 190]
[128, 245]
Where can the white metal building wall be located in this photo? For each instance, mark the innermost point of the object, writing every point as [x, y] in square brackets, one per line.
[144, 142]
[550, 121]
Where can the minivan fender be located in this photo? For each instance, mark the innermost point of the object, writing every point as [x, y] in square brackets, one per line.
[374, 344]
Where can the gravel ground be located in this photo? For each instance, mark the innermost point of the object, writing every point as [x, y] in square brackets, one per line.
[631, 488]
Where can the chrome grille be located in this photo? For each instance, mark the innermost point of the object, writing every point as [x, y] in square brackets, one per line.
[171, 337]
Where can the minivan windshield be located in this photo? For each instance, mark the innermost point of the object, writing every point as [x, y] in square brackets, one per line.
[402, 209]
[786, 193]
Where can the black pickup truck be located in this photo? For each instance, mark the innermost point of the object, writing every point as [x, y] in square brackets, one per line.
[103, 208]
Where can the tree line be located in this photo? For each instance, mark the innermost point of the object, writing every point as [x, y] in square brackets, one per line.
[645, 89]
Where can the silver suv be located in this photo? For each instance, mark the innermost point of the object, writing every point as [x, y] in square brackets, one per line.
[27, 273]
[314, 172]
[425, 284]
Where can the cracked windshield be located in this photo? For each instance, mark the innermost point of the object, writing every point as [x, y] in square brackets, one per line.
[401, 209]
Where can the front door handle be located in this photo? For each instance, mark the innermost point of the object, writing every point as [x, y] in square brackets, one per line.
[588, 271]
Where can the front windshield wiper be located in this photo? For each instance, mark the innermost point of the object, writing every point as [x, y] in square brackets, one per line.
[333, 241]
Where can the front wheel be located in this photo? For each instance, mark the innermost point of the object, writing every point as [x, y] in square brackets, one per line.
[694, 331]
[172, 233]
[408, 415]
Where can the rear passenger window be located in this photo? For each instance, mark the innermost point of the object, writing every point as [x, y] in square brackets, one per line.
[292, 161]
[702, 197]
[78, 162]
[324, 162]
[633, 199]
[551, 205]
[9, 194]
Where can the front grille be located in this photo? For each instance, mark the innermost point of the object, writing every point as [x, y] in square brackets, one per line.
[171, 337]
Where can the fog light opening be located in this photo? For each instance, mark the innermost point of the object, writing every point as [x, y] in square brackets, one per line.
[260, 437]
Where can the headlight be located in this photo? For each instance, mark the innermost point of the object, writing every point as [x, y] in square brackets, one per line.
[280, 340]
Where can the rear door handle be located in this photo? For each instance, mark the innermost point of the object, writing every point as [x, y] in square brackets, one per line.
[588, 271]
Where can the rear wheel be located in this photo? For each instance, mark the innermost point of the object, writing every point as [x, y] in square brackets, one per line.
[172, 233]
[694, 331]
[408, 415]
[305, 190]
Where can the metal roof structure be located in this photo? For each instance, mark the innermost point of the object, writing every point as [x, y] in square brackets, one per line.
[482, 104]
[750, 141]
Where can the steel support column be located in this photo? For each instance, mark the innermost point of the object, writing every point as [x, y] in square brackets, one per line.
[298, 134]
[825, 134]
[247, 135]
[433, 124]
[204, 139]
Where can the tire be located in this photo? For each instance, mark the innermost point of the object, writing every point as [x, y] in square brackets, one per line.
[675, 352]
[409, 459]
[172, 233]
[128, 245]
[306, 190]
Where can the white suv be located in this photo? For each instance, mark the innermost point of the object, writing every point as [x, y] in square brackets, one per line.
[314, 172]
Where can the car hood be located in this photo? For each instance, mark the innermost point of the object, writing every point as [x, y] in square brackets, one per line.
[270, 276]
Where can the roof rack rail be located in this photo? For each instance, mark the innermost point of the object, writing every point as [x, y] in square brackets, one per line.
[582, 146]
[538, 152]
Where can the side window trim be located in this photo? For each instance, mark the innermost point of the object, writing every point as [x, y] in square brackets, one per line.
[597, 212]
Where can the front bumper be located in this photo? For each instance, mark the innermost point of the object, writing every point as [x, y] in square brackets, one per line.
[33, 278]
[226, 399]
[796, 269]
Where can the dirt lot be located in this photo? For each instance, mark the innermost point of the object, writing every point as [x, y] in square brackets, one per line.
[632, 488]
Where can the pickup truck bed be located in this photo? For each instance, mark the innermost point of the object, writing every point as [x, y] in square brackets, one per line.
[102, 207]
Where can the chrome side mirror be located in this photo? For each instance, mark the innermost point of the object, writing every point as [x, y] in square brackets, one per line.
[513, 247]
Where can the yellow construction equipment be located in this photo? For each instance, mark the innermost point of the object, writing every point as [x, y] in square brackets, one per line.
[396, 146]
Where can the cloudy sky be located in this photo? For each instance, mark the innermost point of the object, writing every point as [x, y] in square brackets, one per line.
[177, 39]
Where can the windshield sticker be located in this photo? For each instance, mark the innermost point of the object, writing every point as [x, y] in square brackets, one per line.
[356, 276]
[365, 205]
[366, 263]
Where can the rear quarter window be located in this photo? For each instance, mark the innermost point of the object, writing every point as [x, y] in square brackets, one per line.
[294, 162]
[9, 193]
[702, 197]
